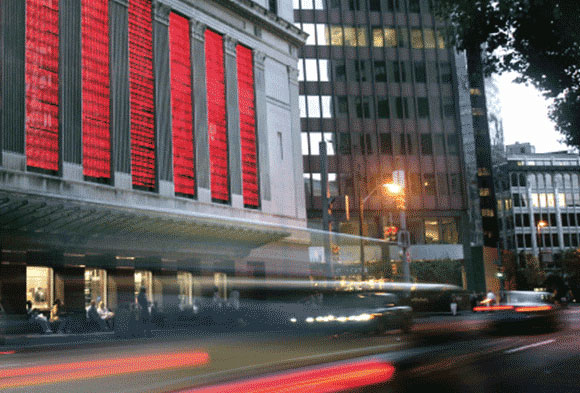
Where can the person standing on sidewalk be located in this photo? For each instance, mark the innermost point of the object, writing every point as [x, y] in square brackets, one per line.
[453, 305]
[145, 316]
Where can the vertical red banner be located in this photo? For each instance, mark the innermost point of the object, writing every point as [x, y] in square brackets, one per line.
[246, 99]
[216, 110]
[141, 93]
[181, 105]
[95, 90]
[41, 76]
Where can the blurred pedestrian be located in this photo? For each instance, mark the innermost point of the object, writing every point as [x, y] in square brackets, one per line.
[144, 314]
[453, 305]
[58, 317]
[35, 317]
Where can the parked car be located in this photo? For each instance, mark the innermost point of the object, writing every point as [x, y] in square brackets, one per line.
[521, 310]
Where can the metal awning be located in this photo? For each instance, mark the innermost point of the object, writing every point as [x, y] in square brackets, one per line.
[58, 222]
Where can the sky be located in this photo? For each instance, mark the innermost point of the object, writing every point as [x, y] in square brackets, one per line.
[525, 115]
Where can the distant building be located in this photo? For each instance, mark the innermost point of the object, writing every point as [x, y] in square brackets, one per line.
[539, 202]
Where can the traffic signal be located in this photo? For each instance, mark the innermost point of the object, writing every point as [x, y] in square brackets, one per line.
[390, 233]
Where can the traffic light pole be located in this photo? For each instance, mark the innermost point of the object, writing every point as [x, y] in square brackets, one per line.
[405, 247]
[361, 203]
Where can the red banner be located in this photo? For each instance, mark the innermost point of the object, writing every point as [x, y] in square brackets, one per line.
[141, 93]
[41, 76]
[181, 105]
[216, 110]
[96, 91]
[248, 126]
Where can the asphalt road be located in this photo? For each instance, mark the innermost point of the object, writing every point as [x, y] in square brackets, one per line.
[451, 354]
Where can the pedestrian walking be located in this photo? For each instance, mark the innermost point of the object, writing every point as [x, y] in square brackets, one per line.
[453, 305]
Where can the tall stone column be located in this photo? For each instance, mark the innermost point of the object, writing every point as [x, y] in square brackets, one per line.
[299, 197]
[202, 163]
[233, 116]
[262, 126]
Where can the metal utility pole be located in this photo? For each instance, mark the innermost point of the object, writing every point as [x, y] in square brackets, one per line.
[325, 209]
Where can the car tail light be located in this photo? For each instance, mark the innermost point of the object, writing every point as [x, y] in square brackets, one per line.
[533, 308]
[493, 308]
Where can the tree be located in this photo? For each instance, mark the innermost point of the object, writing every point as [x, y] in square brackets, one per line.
[571, 267]
[532, 272]
[540, 39]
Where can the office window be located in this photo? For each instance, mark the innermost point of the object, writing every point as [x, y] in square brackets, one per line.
[380, 71]
[321, 36]
[420, 73]
[414, 6]
[311, 31]
[431, 231]
[452, 145]
[95, 90]
[310, 70]
[355, 5]
[334, 35]
[383, 111]
[339, 70]
[363, 107]
[296, 4]
[386, 143]
[417, 39]
[316, 138]
[366, 144]
[326, 102]
[429, 183]
[41, 79]
[323, 70]
[403, 37]
[422, 107]
[375, 5]
[313, 106]
[487, 213]
[426, 144]
[399, 71]
[304, 140]
[449, 230]
[454, 184]
[406, 144]
[439, 144]
[440, 40]
[273, 6]
[362, 69]
[448, 107]
[341, 106]
[141, 94]
[429, 39]
[402, 107]
[181, 105]
[350, 36]
[344, 143]
[391, 37]
[445, 69]
[378, 37]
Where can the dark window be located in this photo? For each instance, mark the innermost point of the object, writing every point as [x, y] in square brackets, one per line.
[564, 220]
[273, 6]
[335, 3]
[339, 71]
[361, 70]
[365, 144]
[519, 221]
[414, 6]
[402, 107]
[526, 220]
[520, 239]
[422, 107]
[448, 107]
[439, 145]
[420, 74]
[452, 147]
[383, 111]
[445, 72]
[429, 184]
[341, 106]
[344, 143]
[396, 71]
[363, 107]
[566, 240]
[386, 144]
[375, 5]
[380, 71]
[442, 183]
[454, 184]
[354, 5]
[406, 144]
[426, 144]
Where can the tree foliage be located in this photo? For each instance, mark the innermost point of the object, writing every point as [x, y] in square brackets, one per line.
[445, 271]
[539, 39]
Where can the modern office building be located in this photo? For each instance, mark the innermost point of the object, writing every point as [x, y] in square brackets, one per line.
[539, 202]
[378, 83]
[143, 143]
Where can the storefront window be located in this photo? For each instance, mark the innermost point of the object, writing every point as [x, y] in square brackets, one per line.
[95, 286]
[431, 231]
[39, 286]
[144, 278]
[449, 230]
[185, 282]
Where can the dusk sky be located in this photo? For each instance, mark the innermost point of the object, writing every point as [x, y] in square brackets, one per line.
[525, 116]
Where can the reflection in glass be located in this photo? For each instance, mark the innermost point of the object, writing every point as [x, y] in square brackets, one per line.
[39, 287]
[95, 286]
[429, 39]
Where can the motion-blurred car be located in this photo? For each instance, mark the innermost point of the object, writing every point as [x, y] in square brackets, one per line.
[523, 310]
[371, 312]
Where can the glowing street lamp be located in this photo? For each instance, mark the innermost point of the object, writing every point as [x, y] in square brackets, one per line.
[541, 224]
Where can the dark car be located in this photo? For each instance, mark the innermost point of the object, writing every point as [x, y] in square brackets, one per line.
[374, 312]
[523, 310]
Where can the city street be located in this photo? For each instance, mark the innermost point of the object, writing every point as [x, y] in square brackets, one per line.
[445, 353]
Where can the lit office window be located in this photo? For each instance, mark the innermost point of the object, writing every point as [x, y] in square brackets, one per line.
[551, 200]
[296, 4]
[378, 37]
[391, 37]
[326, 102]
[449, 231]
[361, 36]
[313, 106]
[316, 138]
[311, 70]
[487, 213]
[302, 106]
[416, 39]
[335, 35]
[304, 139]
[310, 29]
[561, 200]
[429, 39]
[323, 70]
[350, 37]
